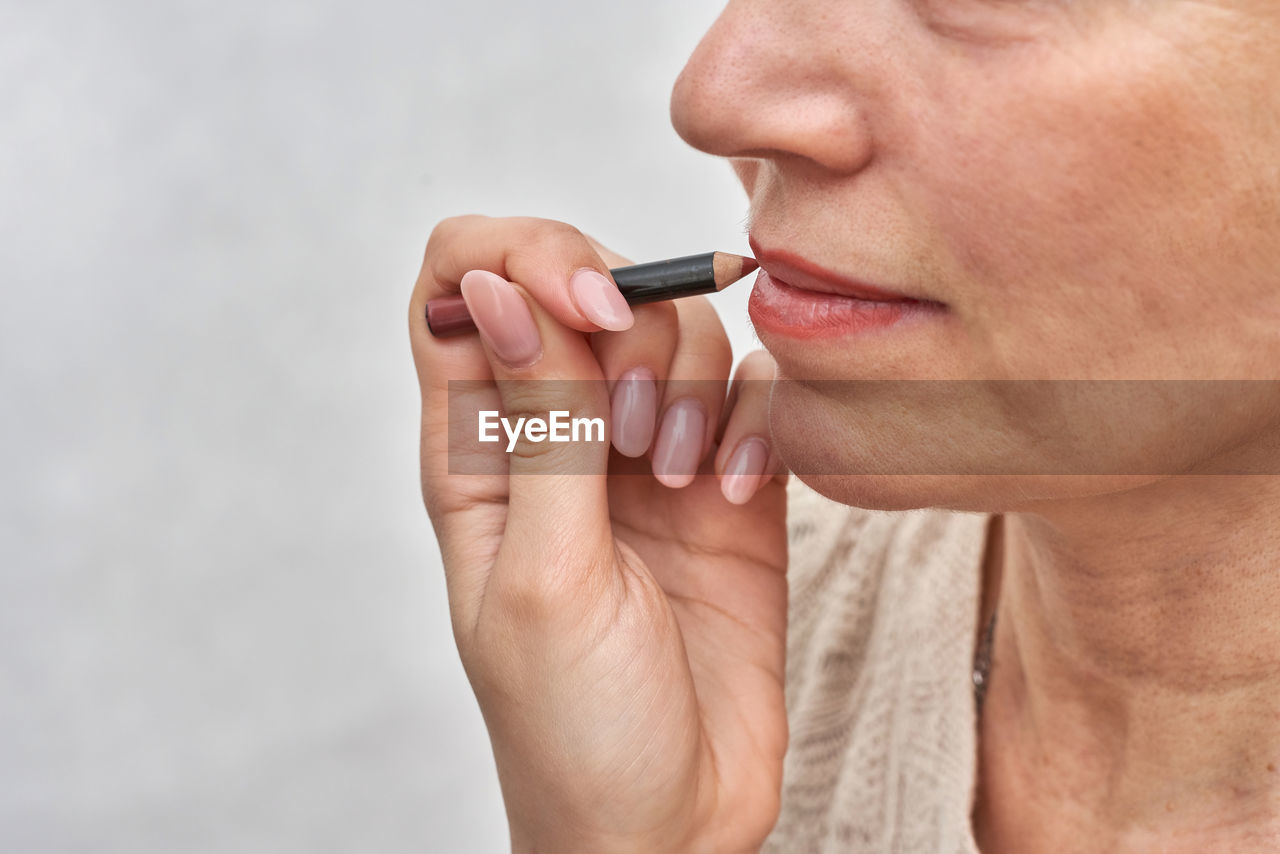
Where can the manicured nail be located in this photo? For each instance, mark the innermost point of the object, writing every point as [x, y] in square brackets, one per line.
[600, 300]
[503, 318]
[745, 470]
[679, 447]
[635, 408]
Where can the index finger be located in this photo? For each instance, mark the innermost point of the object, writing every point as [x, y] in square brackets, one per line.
[557, 264]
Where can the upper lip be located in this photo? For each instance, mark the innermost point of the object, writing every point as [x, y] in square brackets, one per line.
[801, 273]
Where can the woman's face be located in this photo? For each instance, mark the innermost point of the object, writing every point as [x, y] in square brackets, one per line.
[1084, 190]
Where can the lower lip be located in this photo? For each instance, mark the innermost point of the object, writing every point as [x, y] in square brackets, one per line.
[778, 307]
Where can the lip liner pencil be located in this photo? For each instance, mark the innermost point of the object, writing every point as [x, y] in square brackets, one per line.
[639, 283]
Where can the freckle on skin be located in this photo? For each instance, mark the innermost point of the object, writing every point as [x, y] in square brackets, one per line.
[1271, 766]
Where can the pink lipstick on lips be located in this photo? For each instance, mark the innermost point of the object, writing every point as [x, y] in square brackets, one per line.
[798, 299]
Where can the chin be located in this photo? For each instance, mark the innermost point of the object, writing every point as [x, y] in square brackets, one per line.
[966, 493]
[876, 455]
[907, 492]
[822, 446]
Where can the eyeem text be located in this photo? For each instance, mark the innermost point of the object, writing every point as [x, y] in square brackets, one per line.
[556, 427]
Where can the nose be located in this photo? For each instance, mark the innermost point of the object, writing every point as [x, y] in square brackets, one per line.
[767, 81]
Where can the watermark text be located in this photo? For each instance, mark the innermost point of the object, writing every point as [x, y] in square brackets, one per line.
[558, 426]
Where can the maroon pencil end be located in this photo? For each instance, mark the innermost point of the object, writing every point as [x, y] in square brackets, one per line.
[448, 316]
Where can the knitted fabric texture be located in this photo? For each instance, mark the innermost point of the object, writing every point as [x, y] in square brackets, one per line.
[882, 622]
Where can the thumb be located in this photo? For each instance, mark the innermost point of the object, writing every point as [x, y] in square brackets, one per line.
[554, 424]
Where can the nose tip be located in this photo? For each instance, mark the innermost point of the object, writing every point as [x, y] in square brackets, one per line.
[703, 108]
[746, 92]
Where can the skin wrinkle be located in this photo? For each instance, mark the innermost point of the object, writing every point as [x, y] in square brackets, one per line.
[1093, 189]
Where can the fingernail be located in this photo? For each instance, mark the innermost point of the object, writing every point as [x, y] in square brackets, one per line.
[635, 408]
[679, 447]
[503, 318]
[600, 300]
[742, 474]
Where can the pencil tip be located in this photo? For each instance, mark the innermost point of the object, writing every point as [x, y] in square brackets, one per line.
[729, 268]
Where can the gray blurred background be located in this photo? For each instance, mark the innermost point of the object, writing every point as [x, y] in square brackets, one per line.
[222, 615]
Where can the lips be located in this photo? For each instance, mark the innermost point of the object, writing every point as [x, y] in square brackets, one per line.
[797, 299]
[800, 273]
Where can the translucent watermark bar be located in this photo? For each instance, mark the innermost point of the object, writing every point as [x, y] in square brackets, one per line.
[906, 427]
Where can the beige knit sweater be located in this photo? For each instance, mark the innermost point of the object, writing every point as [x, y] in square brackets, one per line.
[882, 626]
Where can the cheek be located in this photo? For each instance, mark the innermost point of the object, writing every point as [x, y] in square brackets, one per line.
[1102, 216]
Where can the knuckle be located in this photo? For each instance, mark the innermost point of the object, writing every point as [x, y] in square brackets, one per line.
[535, 597]
[570, 435]
[550, 230]
[548, 239]
[613, 259]
[536, 398]
[555, 593]
[540, 232]
[550, 456]
[524, 601]
[447, 231]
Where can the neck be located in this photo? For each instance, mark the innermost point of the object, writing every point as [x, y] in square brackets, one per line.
[1135, 694]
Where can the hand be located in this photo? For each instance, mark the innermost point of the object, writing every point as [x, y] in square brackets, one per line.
[624, 632]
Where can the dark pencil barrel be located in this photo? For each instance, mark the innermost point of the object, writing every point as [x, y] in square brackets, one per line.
[660, 280]
[640, 283]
